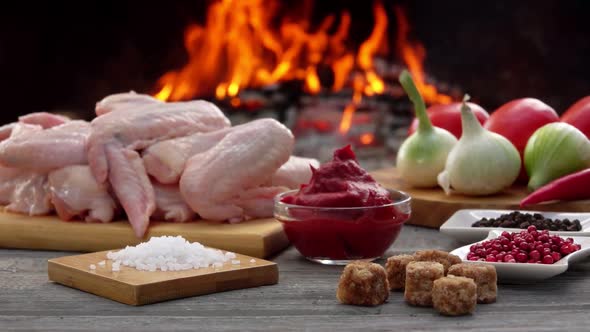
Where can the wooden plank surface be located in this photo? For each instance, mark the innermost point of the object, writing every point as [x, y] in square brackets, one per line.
[258, 238]
[134, 287]
[432, 207]
[304, 299]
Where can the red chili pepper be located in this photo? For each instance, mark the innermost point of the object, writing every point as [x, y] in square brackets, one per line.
[568, 188]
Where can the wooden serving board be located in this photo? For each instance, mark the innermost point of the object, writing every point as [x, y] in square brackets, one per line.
[258, 238]
[432, 207]
[134, 287]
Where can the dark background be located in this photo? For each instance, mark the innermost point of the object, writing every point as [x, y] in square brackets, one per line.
[57, 56]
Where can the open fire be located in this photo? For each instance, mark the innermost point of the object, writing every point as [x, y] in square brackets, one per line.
[240, 46]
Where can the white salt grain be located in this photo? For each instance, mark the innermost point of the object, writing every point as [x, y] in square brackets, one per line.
[102, 263]
[252, 261]
[168, 253]
[92, 267]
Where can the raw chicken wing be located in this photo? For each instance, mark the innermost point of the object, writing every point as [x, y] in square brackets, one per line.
[170, 206]
[33, 148]
[75, 193]
[116, 135]
[226, 181]
[123, 101]
[294, 172]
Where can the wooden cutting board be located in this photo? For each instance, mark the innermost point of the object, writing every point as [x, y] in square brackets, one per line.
[258, 238]
[134, 287]
[432, 207]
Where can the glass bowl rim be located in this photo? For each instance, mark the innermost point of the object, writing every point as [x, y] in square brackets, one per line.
[405, 199]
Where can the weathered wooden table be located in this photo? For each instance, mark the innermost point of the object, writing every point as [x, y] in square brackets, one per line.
[304, 299]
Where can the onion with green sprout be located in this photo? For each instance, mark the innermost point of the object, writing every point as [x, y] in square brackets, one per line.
[422, 156]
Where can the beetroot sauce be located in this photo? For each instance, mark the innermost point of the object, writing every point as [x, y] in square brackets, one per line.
[353, 216]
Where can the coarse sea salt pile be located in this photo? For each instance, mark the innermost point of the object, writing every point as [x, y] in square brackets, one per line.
[168, 253]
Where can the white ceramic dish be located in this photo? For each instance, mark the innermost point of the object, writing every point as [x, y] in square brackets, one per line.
[528, 272]
[459, 225]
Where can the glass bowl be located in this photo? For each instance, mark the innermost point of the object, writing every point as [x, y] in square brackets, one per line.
[339, 235]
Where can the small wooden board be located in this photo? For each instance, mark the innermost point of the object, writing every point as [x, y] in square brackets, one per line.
[258, 238]
[134, 287]
[432, 207]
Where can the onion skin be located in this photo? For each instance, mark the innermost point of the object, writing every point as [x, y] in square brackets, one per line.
[555, 150]
[449, 117]
[578, 115]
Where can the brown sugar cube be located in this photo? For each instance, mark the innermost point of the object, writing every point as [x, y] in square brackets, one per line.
[419, 279]
[363, 283]
[485, 278]
[453, 296]
[396, 270]
[443, 257]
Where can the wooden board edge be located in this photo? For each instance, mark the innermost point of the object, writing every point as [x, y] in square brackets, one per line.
[74, 278]
[181, 288]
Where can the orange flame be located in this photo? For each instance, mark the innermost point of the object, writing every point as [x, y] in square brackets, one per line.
[413, 54]
[241, 45]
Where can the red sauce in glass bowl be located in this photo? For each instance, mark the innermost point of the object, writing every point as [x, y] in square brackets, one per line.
[343, 213]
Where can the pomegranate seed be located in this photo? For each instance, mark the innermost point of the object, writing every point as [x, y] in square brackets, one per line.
[555, 247]
[578, 247]
[548, 259]
[535, 255]
[556, 256]
[473, 258]
[495, 252]
[556, 240]
[521, 257]
[508, 258]
[500, 257]
[546, 245]
[491, 258]
[569, 240]
[543, 238]
[534, 234]
[531, 228]
[524, 246]
[480, 252]
[539, 248]
[515, 252]
[507, 235]
[529, 239]
[503, 240]
[546, 251]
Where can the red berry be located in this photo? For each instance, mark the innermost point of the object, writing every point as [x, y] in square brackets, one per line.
[565, 249]
[521, 257]
[556, 256]
[531, 228]
[548, 259]
[535, 255]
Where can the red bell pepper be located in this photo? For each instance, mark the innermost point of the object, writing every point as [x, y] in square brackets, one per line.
[568, 188]
[578, 115]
